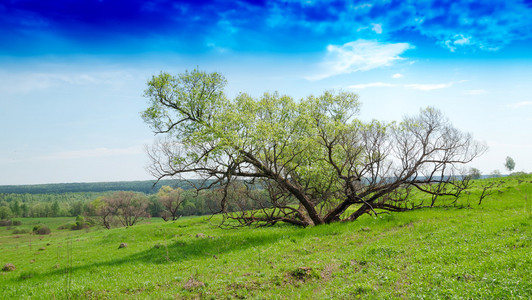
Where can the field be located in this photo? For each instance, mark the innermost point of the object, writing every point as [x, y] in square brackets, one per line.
[464, 251]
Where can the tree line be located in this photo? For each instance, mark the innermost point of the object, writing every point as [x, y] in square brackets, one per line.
[146, 186]
[127, 207]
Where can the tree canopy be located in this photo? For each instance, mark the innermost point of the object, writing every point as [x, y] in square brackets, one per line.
[509, 163]
[318, 162]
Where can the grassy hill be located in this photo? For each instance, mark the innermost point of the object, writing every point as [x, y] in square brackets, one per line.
[440, 253]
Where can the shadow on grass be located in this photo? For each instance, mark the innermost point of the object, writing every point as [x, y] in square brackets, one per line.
[187, 249]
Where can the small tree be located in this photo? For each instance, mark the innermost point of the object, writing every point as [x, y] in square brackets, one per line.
[171, 199]
[509, 164]
[5, 212]
[496, 173]
[128, 207]
[474, 173]
[55, 209]
[103, 211]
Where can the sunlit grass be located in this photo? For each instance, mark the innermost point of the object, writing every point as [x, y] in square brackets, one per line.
[467, 251]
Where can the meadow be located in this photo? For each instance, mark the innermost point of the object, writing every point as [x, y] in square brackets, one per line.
[461, 251]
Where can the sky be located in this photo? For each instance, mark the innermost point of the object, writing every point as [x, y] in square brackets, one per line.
[73, 73]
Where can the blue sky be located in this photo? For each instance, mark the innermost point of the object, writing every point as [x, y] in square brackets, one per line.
[72, 73]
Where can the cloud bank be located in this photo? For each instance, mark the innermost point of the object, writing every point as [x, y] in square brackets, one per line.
[360, 55]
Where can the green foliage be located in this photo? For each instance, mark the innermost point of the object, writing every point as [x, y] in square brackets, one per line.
[5, 212]
[474, 173]
[41, 229]
[19, 231]
[310, 152]
[509, 163]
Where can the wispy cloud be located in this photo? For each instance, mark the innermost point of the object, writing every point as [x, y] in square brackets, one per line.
[359, 55]
[413, 86]
[397, 76]
[377, 28]
[371, 85]
[429, 87]
[520, 104]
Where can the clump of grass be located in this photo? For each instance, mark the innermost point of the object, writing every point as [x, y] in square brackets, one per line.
[304, 273]
[26, 275]
[193, 284]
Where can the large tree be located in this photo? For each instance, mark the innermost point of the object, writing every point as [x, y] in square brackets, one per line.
[318, 162]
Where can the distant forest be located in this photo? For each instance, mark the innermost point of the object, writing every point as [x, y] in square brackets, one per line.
[74, 199]
[145, 187]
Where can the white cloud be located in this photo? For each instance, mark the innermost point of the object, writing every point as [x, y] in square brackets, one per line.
[520, 104]
[428, 87]
[476, 92]
[456, 41]
[97, 152]
[370, 85]
[377, 28]
[359, 55]
[397, 76]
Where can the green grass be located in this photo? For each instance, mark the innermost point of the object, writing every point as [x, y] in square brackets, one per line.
[471, 252]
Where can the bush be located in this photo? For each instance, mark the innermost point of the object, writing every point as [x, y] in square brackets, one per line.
[19, 231]
[69, 226]
[78, 225]
[10, 223]
[5, 222]
[41, 229]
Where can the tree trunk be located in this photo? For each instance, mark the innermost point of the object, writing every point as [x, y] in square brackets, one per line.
[365, 208]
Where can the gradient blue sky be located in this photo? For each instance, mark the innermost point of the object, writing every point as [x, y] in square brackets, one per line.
[72, 73]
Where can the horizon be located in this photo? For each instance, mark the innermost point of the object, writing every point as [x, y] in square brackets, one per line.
[72, 75]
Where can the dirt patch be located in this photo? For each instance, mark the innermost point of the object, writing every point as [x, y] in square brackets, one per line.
[193, 283]
[9, 267]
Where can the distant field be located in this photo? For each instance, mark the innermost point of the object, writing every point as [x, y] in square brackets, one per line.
[476, 252]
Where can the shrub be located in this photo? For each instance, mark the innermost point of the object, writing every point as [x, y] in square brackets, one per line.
[5, 222]
[19, 231]
[304, 273]
[41, 229]
[68, 226]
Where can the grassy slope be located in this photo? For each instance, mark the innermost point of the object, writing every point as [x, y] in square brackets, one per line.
[483, 252]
